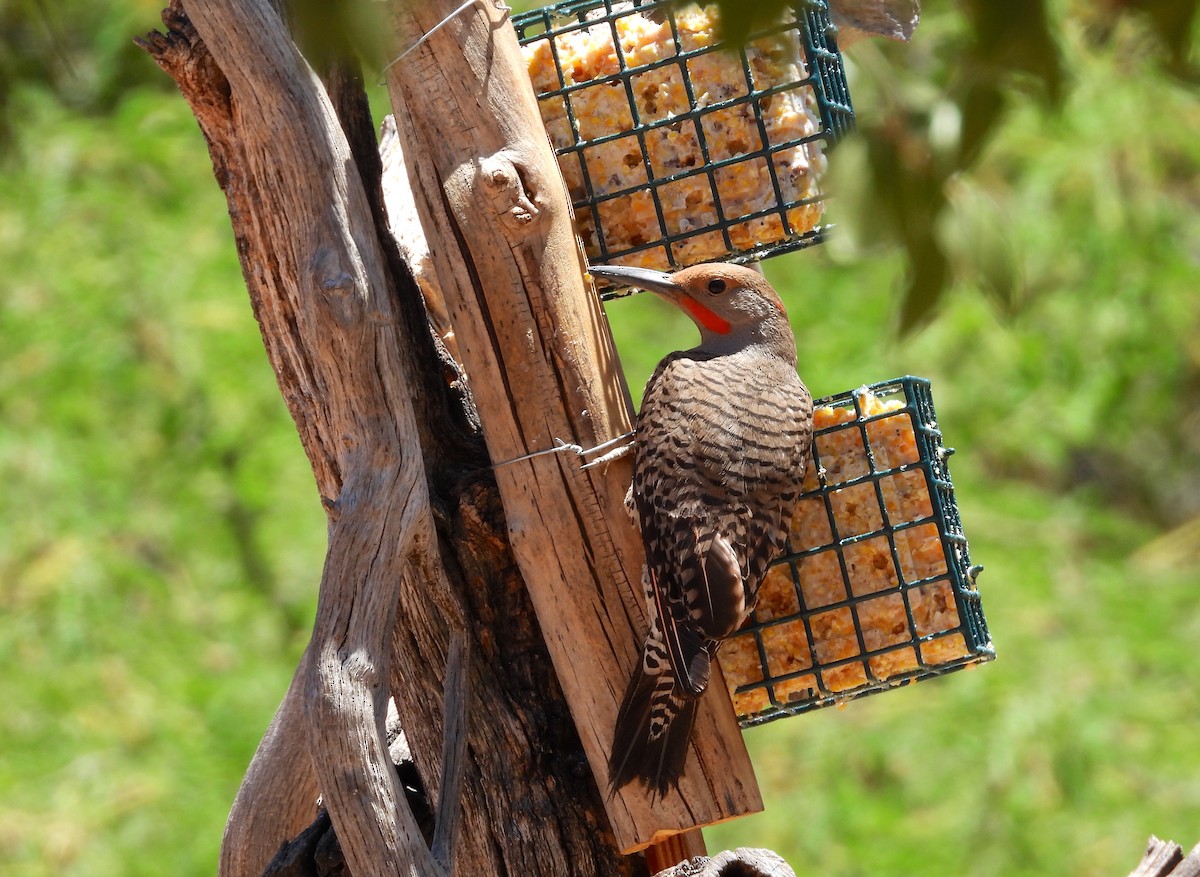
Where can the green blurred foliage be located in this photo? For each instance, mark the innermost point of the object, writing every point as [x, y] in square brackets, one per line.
[81, 51]
[161, 539]
[1077, 222]
[948, 95]
[988, 56]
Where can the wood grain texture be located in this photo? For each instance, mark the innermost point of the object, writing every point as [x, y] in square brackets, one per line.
[859, 19]
[1165, 858]
[418, 540]
[536, 349]
[683, 847]
[321, 292]
[527, 805]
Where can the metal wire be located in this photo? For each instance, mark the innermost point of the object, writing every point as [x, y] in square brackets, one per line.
[959, 574]
[809, 20]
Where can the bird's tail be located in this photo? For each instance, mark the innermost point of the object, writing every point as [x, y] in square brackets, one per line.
[654, 724]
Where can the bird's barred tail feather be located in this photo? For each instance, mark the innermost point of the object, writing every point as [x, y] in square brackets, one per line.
[654, 724]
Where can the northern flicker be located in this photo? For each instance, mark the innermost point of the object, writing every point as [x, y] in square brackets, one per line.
[720, 447]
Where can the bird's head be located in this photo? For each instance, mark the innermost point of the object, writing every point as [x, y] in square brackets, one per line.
[732, 306]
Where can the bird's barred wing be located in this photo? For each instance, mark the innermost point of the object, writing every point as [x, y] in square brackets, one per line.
[709, 483]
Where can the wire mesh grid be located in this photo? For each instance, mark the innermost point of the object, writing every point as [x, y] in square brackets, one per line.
[877, 588]
[677, 149]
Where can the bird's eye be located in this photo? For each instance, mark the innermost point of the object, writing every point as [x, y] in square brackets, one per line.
[716, 286]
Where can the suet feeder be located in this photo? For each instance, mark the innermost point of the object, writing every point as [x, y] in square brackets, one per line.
[677, 148]
[877, 588]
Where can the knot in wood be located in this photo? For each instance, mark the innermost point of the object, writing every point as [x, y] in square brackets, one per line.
[336, 278]
[339, 284]
[511, 188]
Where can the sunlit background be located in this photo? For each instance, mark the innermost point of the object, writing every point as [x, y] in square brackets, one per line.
[1017, 222]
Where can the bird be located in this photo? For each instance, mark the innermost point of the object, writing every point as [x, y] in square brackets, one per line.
[720, 445]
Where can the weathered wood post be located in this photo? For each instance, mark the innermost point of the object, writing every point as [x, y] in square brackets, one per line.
[542, 366]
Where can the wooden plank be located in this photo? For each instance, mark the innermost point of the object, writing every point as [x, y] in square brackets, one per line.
[541, 363]
[682, 847]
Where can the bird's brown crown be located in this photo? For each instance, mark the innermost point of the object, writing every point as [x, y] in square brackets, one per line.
[722, 296]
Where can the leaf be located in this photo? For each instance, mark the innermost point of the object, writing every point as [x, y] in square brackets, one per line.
[982, 107]
[1015, 37]
[928, 273]
[739, 18]
[1173, 22]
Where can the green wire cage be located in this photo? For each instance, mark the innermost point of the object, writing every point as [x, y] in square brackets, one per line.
[677, 148]
[877, 588]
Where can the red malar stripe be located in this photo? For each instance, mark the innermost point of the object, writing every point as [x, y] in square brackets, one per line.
[707, 318]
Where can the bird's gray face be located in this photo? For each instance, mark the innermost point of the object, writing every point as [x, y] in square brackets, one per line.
[723, 300]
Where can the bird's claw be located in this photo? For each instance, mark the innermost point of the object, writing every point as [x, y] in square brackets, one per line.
[610, 456]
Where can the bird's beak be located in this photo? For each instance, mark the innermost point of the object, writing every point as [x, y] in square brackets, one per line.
[642, 278]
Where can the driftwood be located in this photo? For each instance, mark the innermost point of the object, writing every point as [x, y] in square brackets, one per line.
[1165, 858]
[742, 862]
[858, 19]
[416, 529]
